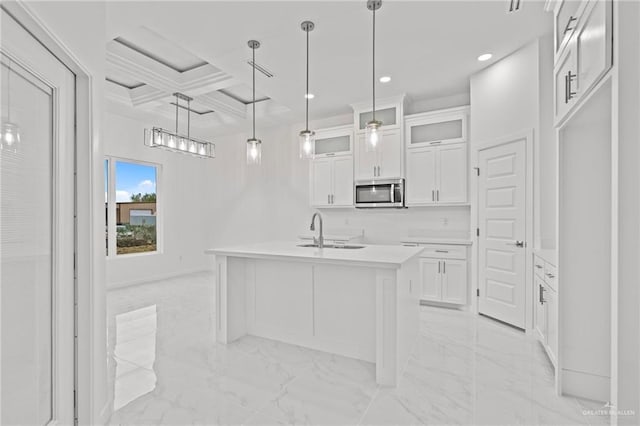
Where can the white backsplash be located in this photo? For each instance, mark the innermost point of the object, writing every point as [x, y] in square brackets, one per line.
[390, 226]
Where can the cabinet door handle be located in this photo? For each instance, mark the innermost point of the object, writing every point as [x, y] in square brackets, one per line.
[437, 195]
[328, 199]
[435, 143]
[442, 251]
[569, 93]
[333, 199]
[433, 195]
[374, 170]
[539, 266]
[550, 275]
[444, 266]
[540, 290]
[569, 27]
[438, 266]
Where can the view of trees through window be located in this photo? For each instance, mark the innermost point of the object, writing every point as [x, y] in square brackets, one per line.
[133, 197]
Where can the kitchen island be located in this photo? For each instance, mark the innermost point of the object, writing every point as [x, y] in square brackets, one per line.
[360, 302]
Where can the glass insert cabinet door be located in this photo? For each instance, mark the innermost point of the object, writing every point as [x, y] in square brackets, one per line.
[36, 232]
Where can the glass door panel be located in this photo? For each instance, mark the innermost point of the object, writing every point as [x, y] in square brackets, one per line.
[26, 238]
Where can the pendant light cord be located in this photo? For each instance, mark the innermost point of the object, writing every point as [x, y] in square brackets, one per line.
[307, 92]
[253, 104]
[374, 63]
[9, 93]
[176, 95]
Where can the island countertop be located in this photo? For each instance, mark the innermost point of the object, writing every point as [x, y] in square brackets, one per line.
[378, 256]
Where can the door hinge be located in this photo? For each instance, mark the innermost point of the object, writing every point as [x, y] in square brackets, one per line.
[477, 169]
[477, 232]
[478, 292]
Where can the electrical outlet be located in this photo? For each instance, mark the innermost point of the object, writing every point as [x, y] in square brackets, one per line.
[445, 221]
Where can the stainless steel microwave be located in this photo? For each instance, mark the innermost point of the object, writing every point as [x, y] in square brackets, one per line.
[379, 193]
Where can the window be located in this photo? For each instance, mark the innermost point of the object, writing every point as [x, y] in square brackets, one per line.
[131, 207]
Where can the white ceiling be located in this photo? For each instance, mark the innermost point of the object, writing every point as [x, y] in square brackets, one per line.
[429, 48]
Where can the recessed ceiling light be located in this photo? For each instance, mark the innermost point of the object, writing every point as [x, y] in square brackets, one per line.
[485, 57]
[385, 79]
[309, 96]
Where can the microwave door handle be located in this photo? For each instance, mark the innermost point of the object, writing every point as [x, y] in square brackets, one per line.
[393, 193]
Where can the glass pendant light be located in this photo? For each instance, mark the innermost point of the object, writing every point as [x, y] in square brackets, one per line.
[10, 136]
[307, 138]
[254, 146]
[373, 129]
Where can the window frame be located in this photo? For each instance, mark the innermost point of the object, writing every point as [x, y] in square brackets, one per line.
[111, 225]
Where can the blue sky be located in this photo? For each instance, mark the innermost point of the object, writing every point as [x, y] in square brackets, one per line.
[132, 179]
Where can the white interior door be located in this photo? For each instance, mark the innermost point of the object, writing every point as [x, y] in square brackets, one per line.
[36, 232]
[502, 222]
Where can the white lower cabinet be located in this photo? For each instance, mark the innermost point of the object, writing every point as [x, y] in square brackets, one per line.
[443, 274]
[454, 281]
[431, 279]
[546, 307]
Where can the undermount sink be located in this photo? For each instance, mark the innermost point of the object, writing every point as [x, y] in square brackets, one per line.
[335, 246]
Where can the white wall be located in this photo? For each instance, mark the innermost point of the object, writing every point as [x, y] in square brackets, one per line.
[183, 188]
[515, 95]
[626, 341]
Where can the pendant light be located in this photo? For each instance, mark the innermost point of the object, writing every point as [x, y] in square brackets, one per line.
[254, 146]
[373, 131]
[307, 138]
[10, 131]
[160, 138]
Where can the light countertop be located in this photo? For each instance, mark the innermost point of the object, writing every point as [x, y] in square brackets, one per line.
[436, 240]
[377, 256]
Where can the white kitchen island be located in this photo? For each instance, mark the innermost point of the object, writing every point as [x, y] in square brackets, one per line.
[360, 303]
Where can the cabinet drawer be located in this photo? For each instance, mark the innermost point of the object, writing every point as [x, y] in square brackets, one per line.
[551, 276]
[444, 251]
[538, 266]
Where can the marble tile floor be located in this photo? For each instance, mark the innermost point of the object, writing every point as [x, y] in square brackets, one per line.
[164, 368]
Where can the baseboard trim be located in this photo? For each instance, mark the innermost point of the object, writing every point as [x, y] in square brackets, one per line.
[585, 385]
[146, 280]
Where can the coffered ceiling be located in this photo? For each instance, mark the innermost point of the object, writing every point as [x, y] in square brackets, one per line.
[429, 48]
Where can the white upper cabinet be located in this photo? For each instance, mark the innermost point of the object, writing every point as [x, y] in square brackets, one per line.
[421, 184]
[437, 128]
[342, 182]
[388, 160]
[436, 152]
[584, 47]
[331, 171]
[321, 181]
[334, 141]
[452, 173]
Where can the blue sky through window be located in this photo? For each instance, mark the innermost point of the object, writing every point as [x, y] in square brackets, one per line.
[132, 179]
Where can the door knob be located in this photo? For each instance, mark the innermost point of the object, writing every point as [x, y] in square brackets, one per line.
[518, 243]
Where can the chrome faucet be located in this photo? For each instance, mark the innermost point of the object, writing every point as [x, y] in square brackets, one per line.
[320, 240]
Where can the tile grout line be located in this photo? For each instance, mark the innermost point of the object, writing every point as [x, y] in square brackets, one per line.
[364, 413]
